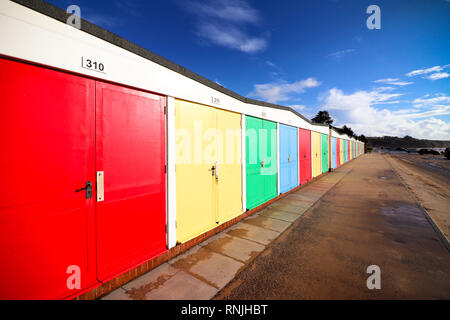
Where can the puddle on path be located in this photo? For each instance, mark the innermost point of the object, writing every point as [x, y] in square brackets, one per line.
[241, 233]
[187, 262]
[219, 244]
[140, 293]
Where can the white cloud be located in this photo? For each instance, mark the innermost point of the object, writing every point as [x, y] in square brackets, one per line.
[400, 83]
[358, 99]
[222, 23]
[387, 80]
[438, 75]
[234, 11]
[274, 92]
[381, 89]
[360, 112]
[424, 71]
[431, 102]
[341, 54]
[393, 81]
[297, 107]
[231, 37]
[435, 111]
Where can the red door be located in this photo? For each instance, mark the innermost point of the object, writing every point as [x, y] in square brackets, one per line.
[338, 152]
[47, 153]
[304, 155]
[130, 140]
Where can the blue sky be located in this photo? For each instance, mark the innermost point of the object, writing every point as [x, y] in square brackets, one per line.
[311, 55]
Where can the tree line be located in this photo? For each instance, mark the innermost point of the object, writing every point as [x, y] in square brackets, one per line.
[324, 117]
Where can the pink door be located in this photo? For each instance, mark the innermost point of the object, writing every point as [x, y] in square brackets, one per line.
[338, 152]
[349, 151]
[304, 155]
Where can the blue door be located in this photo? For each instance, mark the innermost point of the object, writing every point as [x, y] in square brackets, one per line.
[333, 153]
[293, 150]
[288, 158]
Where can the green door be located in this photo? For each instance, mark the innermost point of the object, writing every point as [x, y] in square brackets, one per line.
[324, 153]
[269, 171]
[255, 181]
[261, 161]
[345, 151]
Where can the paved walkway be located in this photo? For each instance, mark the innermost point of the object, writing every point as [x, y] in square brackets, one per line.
[367, 218]
[204, 270]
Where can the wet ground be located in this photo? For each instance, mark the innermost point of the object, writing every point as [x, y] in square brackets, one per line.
[437, 166]
[428, 179]
[368, 218]
[316, 243]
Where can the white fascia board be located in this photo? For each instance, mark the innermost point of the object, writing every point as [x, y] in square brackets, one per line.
[28, 35]
[335, 134]
[338, 135]
[321, 129]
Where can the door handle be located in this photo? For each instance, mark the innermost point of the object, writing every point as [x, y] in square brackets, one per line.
[262, 164]
[88, 189]
[213, 170]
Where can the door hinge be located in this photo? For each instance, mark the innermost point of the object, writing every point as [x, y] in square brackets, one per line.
[165, 168]
[165, 109]
[165, 228]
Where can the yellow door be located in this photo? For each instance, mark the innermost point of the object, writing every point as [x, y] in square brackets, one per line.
[208, 170]
[229, 182]
[342, 151]
[316, 153]
[195, 194]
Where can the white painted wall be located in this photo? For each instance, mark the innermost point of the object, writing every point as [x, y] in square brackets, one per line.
[244, 164]
[171, 175]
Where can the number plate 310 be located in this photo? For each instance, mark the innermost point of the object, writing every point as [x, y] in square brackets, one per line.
[92, 65]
